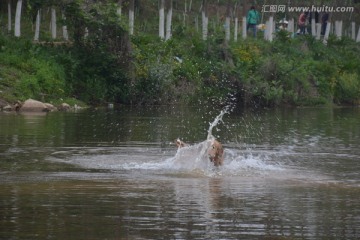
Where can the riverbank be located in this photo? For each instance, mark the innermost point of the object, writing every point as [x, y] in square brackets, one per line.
[251, 73]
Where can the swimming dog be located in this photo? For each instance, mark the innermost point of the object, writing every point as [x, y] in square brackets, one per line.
[215, 151]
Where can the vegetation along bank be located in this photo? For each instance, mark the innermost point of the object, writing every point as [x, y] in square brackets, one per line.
[103, 62]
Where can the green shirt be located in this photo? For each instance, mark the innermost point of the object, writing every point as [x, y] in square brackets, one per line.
[253, 17]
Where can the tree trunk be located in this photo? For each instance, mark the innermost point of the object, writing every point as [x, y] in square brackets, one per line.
[18, 19]
[318, 31]
[338, 29]
[227, 21]
[168, 20]
[236, 22]
[53, 23]
[266, 32]
[205, 20]
[131, 16]
[64, 28]
[353, 33]
[328, 28]
[119, 8]
[185, 14]
[9, 15]
[196, 20]
[271, 28]
[290, 27]
[227, 28]
[162, 19]
[37, 26]
[313, 26]
[244, 27]
[245, 9]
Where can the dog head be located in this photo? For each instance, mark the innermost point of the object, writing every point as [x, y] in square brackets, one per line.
[216, 152]
[179, 143]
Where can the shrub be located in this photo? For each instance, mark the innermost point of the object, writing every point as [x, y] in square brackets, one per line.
[348, 88]
[30, 72]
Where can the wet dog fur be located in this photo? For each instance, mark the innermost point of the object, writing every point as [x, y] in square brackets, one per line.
[180, 143]
[215, 151]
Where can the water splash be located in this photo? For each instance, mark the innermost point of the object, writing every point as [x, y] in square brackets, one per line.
[215, 123]
[191, 159]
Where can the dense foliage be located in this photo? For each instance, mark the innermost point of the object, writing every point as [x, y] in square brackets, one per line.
[28, 71]
[110, 66]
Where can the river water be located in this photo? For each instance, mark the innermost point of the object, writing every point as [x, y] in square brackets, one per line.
[116, 174]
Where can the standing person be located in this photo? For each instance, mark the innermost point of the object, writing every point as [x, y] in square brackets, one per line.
[302, 22]
[324, 21]
[253, 19]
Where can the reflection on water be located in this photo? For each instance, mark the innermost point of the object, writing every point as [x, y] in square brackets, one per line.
[287, 174]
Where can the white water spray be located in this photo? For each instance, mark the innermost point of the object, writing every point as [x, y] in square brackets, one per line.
[189, 159]
[215, 123]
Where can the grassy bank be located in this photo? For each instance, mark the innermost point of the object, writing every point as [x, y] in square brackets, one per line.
[185, 69]
[31, 71]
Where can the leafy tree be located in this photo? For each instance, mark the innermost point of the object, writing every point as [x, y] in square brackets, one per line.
[103, 55]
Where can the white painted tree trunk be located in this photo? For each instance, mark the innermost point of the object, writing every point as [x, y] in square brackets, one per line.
[340, 32]
[244, 28]
[271, 28]
[131, 17]
[64, 28]
[168, 21]
[185, 14]
[274, 26]
[353, 31]
[266, 31]
[327, 32]
[358, 36]
[227, 24]
[196, 20]
[290, 27]
[131, 22]
[236, 26]
[338, 29]
[37, 26]
[318, 31]
[205, 21]
[227, 28]
[18, 19]
[53, 23]
[313, 27]
[9, 15]
[119, 11]
[162, 19]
